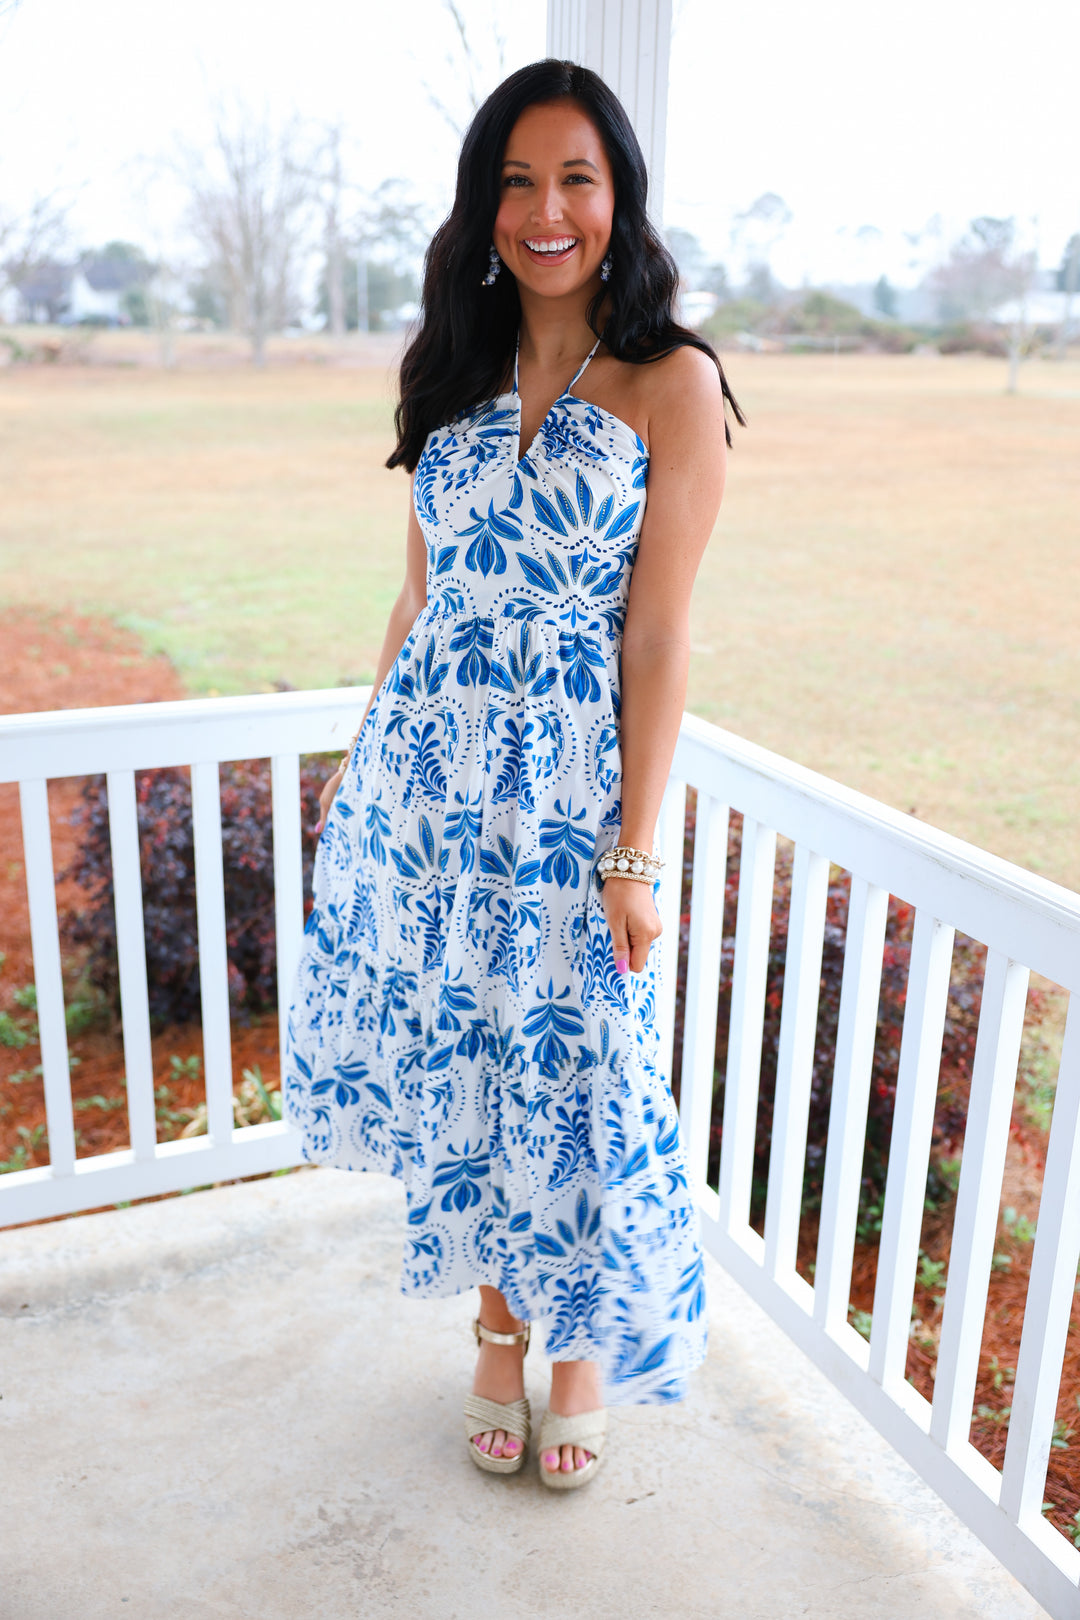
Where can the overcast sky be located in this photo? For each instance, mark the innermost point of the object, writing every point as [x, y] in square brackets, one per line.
[856, 112]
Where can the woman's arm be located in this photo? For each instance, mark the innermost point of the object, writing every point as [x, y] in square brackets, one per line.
[687, 462]
[411, 598]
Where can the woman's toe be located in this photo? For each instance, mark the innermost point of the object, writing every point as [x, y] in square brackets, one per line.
[581, 1456]
[567, 1459]
[511, 1446]
[498, 1441]
[550, 1461]
[482, 1442]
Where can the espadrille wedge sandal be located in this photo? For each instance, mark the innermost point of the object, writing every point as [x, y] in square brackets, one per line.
[511, 1416]
[587, 1430]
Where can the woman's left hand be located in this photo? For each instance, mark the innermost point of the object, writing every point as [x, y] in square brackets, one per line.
[632, 919]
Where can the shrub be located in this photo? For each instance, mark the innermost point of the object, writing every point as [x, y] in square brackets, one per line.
[813, 320]
[166, 849]
[973, 337]
[957, 1049]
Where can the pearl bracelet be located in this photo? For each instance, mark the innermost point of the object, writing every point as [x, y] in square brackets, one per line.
[625, 862]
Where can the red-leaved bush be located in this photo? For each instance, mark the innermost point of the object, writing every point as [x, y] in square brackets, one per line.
[957, 1048]
[166, 852]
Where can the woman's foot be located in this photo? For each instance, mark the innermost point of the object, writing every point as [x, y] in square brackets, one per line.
[499, 1372]
[575, 1387]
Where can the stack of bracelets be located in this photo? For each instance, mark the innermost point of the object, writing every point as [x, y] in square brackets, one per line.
[347, 755]
[635, 864]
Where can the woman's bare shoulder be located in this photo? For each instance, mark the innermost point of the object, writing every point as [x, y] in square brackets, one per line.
[684, 374]
[682, 387]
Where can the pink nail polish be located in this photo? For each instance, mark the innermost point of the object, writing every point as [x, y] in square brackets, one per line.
[622, 965]
[550, 1459]
[318, 828]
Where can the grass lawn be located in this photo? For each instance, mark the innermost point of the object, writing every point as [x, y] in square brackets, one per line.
[892, 595]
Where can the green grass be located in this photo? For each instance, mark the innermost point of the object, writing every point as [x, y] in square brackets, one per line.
[891, 595]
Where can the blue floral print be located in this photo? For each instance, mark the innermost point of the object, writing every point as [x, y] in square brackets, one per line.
[458, 1021]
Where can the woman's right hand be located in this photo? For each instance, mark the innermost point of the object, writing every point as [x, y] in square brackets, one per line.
[326, 797]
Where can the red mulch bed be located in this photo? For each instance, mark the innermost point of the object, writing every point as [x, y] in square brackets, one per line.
[75, 662]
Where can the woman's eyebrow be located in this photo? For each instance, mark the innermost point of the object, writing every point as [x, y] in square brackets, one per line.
[571, 163]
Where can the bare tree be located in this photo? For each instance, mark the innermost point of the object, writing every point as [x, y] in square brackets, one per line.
[333, 238]
[473, 71]
[250, 211]
[755, 233]
[1069, 282]
[390, 230]
[30, 237]
[989, 272]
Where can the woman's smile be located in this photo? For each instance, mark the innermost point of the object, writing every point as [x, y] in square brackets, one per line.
[550, 249]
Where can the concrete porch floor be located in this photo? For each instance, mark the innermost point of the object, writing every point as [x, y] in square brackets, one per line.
[220, 1406]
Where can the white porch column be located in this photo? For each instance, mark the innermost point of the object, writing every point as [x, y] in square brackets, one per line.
[628, 42]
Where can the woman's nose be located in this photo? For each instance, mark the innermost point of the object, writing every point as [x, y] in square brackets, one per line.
[547, 206]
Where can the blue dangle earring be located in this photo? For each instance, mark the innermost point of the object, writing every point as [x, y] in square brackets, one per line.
[605, 268]
[494, 266]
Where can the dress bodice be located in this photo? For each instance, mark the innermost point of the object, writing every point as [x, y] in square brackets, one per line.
[551, 535]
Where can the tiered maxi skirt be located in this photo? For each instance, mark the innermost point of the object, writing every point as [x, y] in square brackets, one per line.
[459, 1022]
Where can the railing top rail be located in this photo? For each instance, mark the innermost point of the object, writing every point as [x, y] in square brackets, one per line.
[1032, 919]
[148, 736]
[978, 892]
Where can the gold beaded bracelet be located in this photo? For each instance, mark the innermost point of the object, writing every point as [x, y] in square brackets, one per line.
[625, 862]
[343, 764]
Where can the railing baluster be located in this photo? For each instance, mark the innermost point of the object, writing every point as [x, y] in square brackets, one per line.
[1051, 1284]
[131, 962]
[213, 951]
[703, 982]
[288, 882]
[48, 974]
[670, 834]
[795, 1059]
[986, 1137]
[860, 990]
[909, 1151]
[757, 866]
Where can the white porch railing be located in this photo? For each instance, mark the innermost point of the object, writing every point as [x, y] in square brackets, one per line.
[1026, 923]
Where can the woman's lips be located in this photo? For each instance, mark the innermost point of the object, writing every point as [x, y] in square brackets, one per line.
[546, 255]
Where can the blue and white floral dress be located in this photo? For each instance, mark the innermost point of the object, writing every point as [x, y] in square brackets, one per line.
[458, 1021]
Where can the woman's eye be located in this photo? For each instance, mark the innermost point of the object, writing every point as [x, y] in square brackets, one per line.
[515, 179]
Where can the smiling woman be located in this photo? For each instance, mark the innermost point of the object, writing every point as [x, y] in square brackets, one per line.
[475, 1006]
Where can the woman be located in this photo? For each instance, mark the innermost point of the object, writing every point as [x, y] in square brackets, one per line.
[475, 1006]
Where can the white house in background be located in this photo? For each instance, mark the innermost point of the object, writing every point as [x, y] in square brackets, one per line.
[696, 307]
[1038, 309]
[93, 289]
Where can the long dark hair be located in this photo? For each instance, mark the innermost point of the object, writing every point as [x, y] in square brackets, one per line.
[463, 347]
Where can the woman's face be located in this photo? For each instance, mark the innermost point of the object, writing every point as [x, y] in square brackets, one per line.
[557, 198]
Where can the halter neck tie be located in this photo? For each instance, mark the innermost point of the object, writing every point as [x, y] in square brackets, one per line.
[577, 374]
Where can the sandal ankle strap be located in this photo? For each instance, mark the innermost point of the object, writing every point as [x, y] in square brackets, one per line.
[521, 1337]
